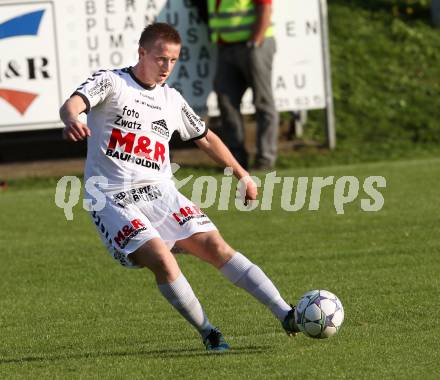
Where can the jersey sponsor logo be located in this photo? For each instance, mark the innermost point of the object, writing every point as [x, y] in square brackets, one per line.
[154, 107]
[93, 77]
[192, 119]
[132, 122]
[135, 148]
[128, 232]
[188, 213]
[144, 103]
[100, 88]
[160, 128]
[127, 124]
[146, 193]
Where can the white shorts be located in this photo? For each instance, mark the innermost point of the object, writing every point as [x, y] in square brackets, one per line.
[132, 217]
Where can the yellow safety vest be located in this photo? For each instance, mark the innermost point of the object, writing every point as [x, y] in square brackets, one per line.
[233, 21]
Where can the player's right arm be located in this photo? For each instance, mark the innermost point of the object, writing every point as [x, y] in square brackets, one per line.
[74, 130]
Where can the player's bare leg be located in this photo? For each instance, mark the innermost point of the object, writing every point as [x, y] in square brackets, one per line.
[173, 285]
[155, 255]
[208, 246]
[211, 247]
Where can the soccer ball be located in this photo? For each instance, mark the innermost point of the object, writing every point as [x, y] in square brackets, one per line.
[319, 314]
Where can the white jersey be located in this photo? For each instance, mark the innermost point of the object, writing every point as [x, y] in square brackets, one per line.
[131, 125]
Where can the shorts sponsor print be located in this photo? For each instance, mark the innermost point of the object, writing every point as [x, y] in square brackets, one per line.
[119, 256]
[128, 232]
[190, 212]
[145, 193]
[132, 217]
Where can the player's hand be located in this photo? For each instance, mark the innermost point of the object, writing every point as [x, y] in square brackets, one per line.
[251, 190]
[76, 131]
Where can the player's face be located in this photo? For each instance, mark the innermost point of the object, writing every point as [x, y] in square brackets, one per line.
[157, 63]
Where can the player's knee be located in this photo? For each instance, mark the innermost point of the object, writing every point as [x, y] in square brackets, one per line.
[165, 268]
[160, 262]
[220, 249]
[164, 263]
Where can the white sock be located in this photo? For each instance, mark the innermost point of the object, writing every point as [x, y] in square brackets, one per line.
[246, 275]
[180, 294]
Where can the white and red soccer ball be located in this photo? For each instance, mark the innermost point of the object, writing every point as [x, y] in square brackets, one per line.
[319, 314]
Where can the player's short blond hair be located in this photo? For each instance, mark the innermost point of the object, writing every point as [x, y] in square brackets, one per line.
[159, 31]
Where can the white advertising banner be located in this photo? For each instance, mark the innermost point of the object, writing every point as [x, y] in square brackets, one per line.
[48, 48]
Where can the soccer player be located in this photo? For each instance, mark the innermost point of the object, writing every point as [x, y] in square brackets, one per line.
[131, 115]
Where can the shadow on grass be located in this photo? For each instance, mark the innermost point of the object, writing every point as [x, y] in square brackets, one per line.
[152, 354]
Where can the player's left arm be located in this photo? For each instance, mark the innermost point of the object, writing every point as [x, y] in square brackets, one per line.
[214, 148]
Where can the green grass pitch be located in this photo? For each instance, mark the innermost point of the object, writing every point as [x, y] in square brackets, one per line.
[68, 311]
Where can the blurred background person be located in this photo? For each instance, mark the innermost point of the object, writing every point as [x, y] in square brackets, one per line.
[243, 33]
